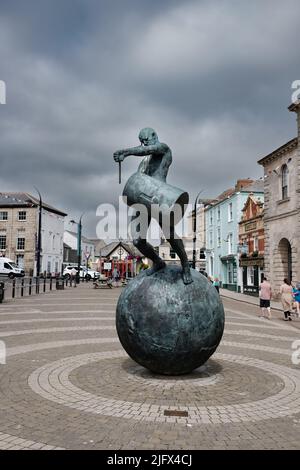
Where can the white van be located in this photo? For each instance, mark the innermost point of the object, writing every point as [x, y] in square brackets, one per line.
[10, 268]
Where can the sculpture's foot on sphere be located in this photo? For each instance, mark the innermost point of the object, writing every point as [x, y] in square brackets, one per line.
[155, 268]
[167, 326]
[187, 275]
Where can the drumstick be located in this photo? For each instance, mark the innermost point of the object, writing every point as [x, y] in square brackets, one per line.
[119, 172]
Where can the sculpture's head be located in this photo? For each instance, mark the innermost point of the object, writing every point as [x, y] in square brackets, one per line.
[148, 136]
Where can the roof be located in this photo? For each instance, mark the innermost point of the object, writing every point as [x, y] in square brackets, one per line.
[224, 195]
[19, 199]
[67, 246]
[83, 238]
[129, 247]
[256, 201]
[254, 187]
[285, 148]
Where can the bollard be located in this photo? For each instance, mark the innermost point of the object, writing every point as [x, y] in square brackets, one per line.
[44, 288]
[30, 286]
[14, 289]
[60, 283]
[22, 287]
[1, 292]
[50, 283]
[37, 285]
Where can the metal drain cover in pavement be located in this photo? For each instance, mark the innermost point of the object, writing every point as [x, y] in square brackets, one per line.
[175, 413]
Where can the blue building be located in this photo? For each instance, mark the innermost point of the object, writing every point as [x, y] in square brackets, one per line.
[222, 219]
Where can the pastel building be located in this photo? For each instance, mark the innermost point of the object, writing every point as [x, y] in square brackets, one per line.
[222, 219]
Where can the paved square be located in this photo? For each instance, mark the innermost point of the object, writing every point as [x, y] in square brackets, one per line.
[67, 382]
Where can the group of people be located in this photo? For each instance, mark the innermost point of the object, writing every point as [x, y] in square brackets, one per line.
[290, 298]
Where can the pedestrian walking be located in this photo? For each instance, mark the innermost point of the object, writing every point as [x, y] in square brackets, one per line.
[217, 284]
[265, 294]
[286, 292]
[296, 295]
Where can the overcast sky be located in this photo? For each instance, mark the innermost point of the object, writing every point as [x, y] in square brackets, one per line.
[213, 77]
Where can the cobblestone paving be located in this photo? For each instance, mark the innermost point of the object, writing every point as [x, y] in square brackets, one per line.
[68, 384]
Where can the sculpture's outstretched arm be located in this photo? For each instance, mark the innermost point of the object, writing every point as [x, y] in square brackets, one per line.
[140, 151]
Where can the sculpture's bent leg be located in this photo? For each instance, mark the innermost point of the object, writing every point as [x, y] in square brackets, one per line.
[178, 247]
[150, 253]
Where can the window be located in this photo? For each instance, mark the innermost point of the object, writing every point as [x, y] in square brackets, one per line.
[219, 236]
[20, 261]
[49, 267]
[230, 243]
[230, 273]
[2, 242]
[22, 215]
[3, 215]
[211, 218]
[219, 213]
[202, 254]
[210, 239]
[251, 276]
[172, 253]
[230, 214]
[21, 243]
[284, 181]
[255, 244]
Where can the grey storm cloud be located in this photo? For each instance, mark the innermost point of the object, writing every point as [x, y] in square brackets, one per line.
[212, 77]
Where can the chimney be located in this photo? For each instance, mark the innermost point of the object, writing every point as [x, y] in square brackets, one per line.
[295, 107]
[240, 184]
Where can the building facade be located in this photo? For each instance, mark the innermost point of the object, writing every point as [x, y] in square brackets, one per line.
[282, 210]
[251, 243]
[121, 256]
[222, 234]
[70, 249]
[19, 216]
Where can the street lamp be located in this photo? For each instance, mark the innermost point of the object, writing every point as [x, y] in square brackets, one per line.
[195, 228]
[39, 240]
[79, 224]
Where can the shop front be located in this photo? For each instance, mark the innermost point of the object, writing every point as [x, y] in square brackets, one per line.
[252, 270]
[230, 273]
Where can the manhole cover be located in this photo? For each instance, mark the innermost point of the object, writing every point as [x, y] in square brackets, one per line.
[175, 413]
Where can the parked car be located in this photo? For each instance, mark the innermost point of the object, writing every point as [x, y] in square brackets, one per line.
[84, 272]
[10, 268]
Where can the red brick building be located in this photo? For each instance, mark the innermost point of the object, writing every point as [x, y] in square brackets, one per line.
[251, 242]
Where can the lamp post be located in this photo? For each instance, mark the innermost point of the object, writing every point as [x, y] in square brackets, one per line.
[195, 228]
[79, 229]
[39, 240]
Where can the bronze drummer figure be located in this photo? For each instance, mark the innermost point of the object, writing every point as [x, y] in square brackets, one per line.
[148, 186]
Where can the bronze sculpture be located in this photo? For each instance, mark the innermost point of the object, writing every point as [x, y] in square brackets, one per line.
[142, 189]
[169, 319]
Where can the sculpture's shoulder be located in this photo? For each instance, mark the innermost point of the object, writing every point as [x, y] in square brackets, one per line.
[164, 147]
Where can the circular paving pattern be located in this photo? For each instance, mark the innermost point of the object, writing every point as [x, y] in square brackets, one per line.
[126, 380]
[246, 396]
[53, 382]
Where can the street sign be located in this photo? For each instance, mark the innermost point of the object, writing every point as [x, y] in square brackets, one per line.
[107, 266]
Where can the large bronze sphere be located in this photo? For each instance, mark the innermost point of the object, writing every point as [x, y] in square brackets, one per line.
[167, 326]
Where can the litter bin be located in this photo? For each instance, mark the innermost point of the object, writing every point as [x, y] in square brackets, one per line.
[60, 283]
[1, 292]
